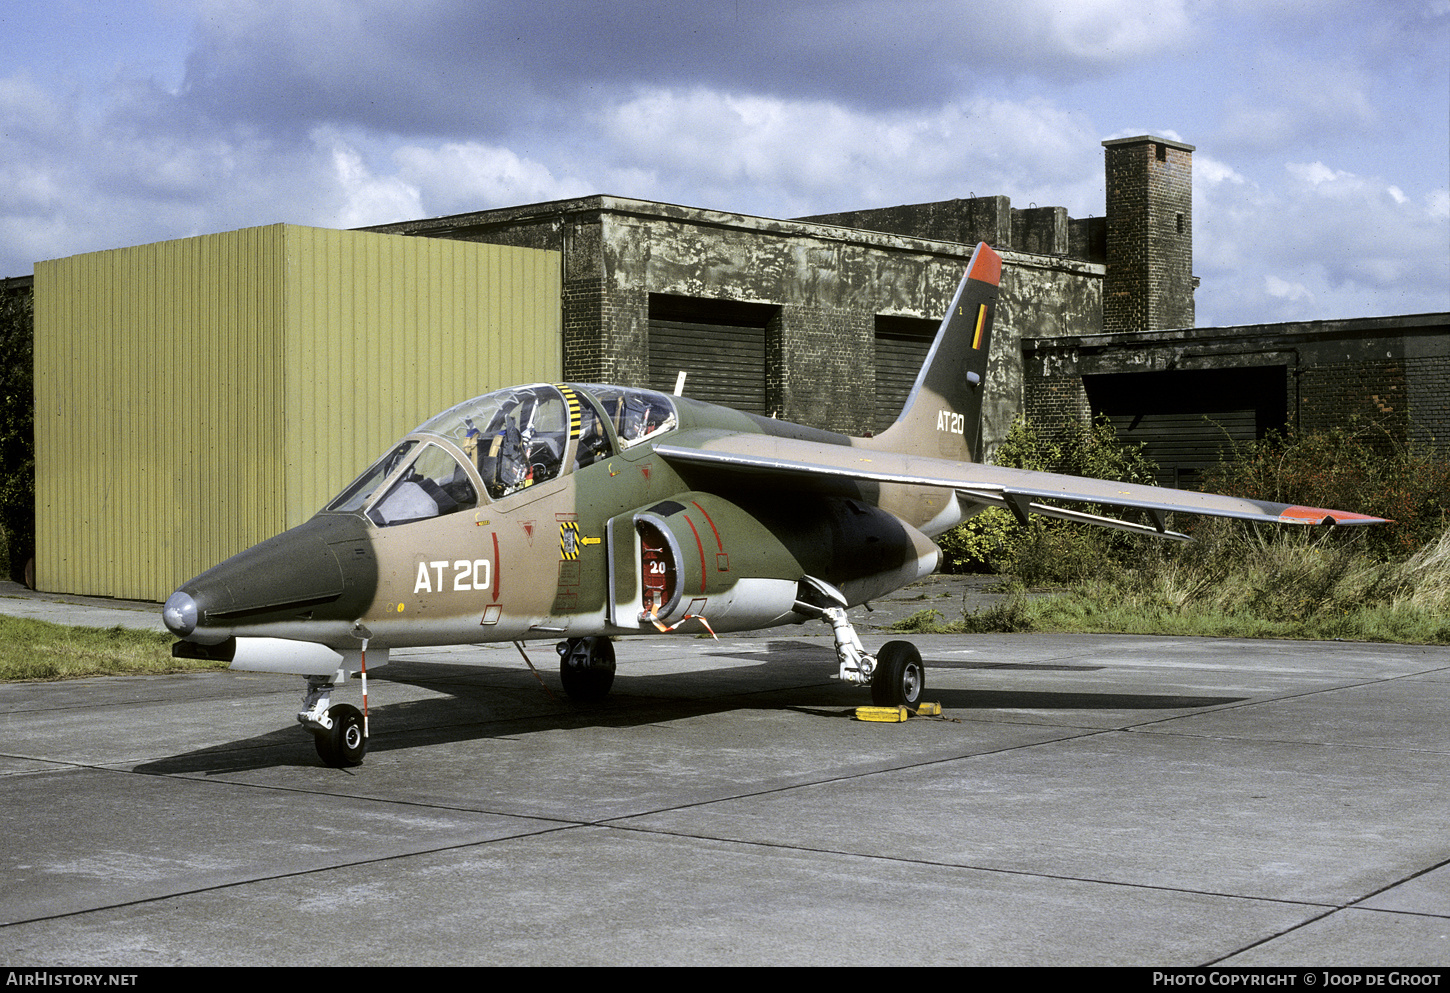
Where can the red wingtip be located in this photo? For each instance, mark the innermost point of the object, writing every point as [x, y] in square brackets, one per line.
[986, 266]
[1318, 515]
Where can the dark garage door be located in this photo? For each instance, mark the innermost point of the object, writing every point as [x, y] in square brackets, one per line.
[1188, 420]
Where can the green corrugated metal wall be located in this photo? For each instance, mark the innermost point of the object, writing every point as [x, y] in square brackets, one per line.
[194, 397]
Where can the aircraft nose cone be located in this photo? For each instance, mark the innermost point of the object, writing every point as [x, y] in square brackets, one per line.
[179, 614]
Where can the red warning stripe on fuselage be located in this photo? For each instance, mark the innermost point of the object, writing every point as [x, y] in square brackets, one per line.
[701, 546]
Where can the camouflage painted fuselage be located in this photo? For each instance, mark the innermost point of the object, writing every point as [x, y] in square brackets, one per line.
[580, 553]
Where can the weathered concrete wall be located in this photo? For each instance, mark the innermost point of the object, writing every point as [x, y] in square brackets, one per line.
[830, 290]
[966, 221]
[1034, 230]
[828, 283]
[1039, 297]
[1387, 376]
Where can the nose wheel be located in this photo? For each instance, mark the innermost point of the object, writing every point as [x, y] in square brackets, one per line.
[344, 744]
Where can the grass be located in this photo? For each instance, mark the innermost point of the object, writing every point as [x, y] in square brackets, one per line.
[1238, 582]
[39, 650]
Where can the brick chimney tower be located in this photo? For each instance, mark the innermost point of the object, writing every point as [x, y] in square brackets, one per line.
[1149, 284]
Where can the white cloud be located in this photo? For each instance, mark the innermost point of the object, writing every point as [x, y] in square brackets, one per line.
[462, 176]
[1318, 242]
[1110, 30]
[1208, 171]
[1284, 290]
[1316, 173]
[791, 157]
[360, 197]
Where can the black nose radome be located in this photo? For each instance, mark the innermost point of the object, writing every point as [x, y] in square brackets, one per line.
[323, 569]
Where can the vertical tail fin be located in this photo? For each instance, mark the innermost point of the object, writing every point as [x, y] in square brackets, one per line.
[943, 413]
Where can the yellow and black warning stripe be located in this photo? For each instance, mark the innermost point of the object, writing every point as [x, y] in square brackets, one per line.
[569, 540]
[571, 398]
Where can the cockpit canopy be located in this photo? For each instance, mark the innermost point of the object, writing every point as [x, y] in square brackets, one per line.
[510, 439]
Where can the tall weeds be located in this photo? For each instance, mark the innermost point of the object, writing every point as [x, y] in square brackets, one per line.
[1383, 583]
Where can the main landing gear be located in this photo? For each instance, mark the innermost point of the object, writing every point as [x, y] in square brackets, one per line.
[895, 674]
[338, 731]
[898, 677]
[586, 667]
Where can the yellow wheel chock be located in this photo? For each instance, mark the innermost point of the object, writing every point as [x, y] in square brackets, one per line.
[896, 715]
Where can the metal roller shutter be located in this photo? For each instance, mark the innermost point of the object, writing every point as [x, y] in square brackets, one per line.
[722, 354]
[901, 347]
[1184, 445]
[1189, 419]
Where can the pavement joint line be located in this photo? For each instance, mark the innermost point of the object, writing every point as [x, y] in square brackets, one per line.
[1389, 886]
[1329, 908]
[1293, 742]
[1275, 698]
[1274, 937]
[273, 877]
[847, 777]
[1351, 905]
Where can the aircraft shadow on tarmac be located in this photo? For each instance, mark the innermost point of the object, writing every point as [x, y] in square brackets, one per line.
[479, 702]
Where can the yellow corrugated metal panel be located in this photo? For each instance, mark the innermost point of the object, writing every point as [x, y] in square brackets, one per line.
[385, 331]
[155, 369]
[196, 396]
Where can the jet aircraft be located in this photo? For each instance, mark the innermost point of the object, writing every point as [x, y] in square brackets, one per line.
[578, 513]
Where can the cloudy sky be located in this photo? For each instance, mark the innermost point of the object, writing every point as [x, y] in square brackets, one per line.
[1322, 175]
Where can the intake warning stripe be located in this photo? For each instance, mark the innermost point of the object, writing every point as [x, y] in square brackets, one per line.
[718, 543]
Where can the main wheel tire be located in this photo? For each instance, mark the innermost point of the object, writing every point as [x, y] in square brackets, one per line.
[343, 744]
[586, 668]
[900, 678]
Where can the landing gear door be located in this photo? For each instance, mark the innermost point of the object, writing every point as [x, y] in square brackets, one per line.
[626, 598]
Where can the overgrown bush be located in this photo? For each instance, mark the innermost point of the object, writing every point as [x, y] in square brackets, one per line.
[1346, 470]
[1341, 469]
[1241, 581]
[17, 432]
[1047, 551]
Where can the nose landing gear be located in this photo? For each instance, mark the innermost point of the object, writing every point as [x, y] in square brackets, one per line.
[337, 731]
[343, 744]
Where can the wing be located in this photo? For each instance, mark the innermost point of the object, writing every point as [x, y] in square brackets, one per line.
[1018, 490]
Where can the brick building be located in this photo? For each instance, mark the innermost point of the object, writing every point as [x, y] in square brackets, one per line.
[1188, 393]
[824, 319]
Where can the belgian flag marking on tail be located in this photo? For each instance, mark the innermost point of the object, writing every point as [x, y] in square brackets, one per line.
[981, 323]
